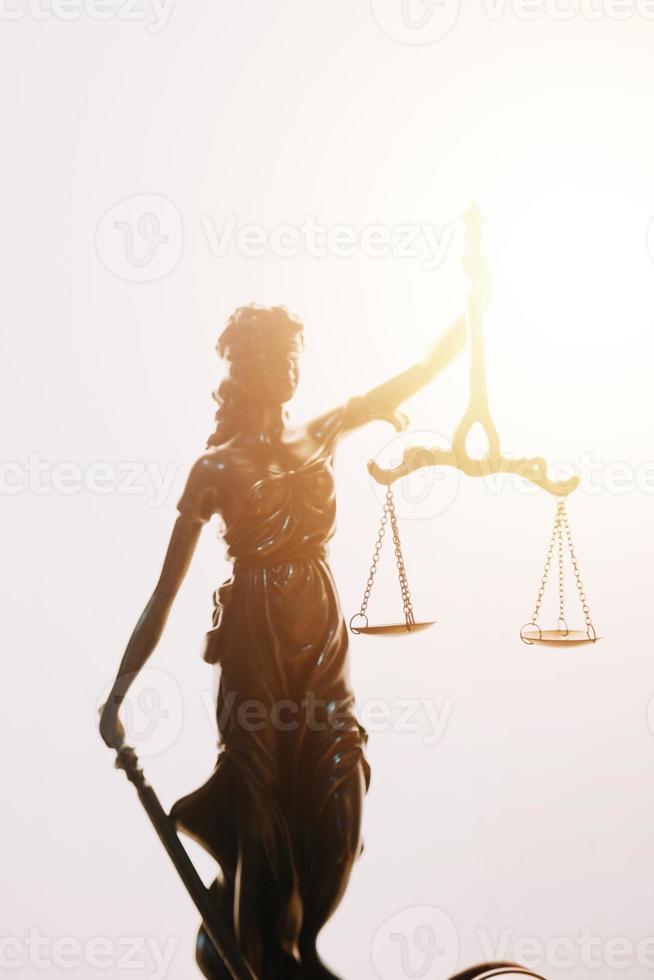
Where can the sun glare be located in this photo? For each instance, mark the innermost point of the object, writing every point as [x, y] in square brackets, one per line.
[576, 264]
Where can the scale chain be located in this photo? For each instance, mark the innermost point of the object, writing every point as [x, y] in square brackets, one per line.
[560, 517]
[546, 570]
[561, 535]
[389, 514]
[404, 583]
[577, 573]
[375, 559]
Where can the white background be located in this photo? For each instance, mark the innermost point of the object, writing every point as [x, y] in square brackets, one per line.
[532, 815]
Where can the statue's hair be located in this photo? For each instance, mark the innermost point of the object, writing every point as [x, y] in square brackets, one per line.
[250, 330]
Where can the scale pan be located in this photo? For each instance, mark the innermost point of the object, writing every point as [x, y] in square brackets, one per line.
[510, 972]
[558, 638]
[391, 629]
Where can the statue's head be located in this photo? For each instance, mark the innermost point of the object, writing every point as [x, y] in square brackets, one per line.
[262, 346]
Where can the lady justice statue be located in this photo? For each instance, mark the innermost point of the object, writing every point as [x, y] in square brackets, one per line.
[281, 813]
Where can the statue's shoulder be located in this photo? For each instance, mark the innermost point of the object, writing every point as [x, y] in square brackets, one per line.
[211, 464]
[202, 493]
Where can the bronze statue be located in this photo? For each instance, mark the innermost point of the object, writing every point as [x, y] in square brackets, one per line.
[281, 813]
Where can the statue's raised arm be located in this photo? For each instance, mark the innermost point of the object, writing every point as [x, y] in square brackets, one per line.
[382, 403]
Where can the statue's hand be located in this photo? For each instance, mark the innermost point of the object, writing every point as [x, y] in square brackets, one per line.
[111, 727]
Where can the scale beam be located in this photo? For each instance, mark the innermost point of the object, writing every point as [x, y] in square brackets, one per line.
[419, 457]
